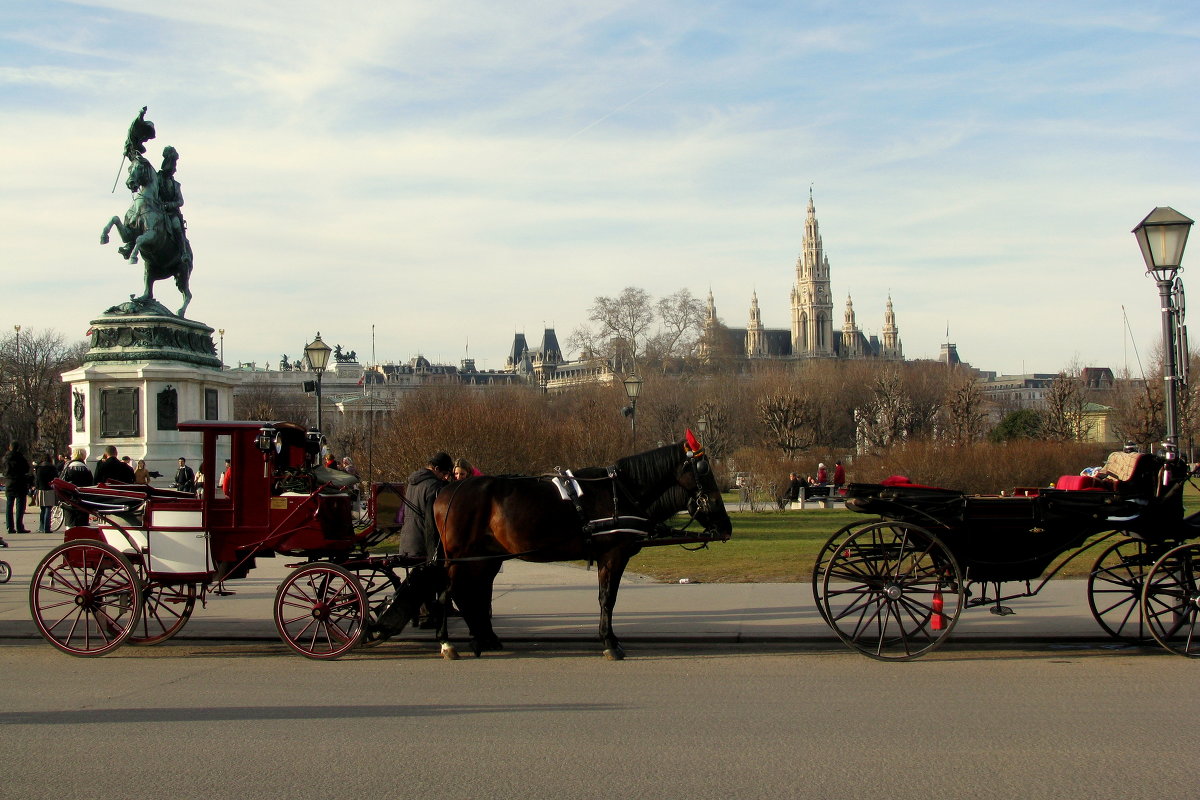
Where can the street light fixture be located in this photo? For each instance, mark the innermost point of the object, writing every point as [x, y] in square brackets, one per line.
[1162, 236]
[633, 389]
[221, 331]
[318, 358]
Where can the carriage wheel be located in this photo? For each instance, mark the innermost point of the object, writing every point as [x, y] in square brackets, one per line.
[166, 608]
[380, 586]
[1114, 589]
[321, 611]
[5, 572]
[1171, 601]
[85, 598]
[892, 591]
[826, 552]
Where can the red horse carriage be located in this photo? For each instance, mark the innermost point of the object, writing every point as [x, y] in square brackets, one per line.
[135, 573]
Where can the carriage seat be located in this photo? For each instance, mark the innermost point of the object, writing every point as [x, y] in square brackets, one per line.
[99, 499]
[1084, 483]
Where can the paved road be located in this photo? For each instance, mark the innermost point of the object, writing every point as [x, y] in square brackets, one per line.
[243, 719]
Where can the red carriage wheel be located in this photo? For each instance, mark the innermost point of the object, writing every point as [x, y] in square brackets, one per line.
[85, 598]
[892, 591]
[321, 611]
[1171, 601]
[166, 608]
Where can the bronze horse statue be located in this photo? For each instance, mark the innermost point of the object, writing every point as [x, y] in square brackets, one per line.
[599, 515]
[147, 232]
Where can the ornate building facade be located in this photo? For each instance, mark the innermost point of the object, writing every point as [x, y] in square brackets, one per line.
[812, 333]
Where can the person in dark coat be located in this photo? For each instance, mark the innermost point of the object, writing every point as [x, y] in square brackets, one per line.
[16, 488]
[418, 534]
[111, 468]
[45, 472]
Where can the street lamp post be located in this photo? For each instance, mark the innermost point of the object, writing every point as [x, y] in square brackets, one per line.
[633, 388]
[702, 427]
[1162, 236]
[318, 358]
[221, 331]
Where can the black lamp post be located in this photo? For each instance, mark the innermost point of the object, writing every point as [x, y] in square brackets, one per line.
[318, 358]
[702, 428]
[633, 389]
[1162, 236]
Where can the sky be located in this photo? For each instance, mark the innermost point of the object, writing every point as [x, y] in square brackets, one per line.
[443, 175]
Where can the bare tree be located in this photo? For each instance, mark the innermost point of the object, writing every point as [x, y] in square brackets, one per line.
[1063, 410]
[33, 398]
[682, 317]
[962, 418]
[790, 420]
[621, 326]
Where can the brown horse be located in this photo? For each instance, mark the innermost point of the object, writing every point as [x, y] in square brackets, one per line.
[602, 516]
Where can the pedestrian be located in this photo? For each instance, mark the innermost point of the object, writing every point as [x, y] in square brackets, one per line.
[464, 470]
[198, 484]
[16, 488]
[76, 472]
[45, 473]
[225, 477]
[794, 483]
[111, 468]
[822, 475]
[418, 535]
[349, 468]
[839, 475]
[185, 477]
[141, 474]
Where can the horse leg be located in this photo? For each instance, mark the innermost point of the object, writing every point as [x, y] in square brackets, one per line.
[471, 588]
[104, 233]
[609, 569]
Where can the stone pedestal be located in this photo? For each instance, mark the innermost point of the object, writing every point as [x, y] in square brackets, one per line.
[145, 372]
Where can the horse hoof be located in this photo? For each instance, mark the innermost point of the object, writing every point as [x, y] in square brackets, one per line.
[614, 654]
[449, 652]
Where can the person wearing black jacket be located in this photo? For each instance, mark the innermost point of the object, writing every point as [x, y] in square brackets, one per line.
[16, 488]
[111, 468]
[42, 476]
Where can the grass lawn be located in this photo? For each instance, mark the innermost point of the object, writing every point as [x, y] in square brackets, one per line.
[780, 547]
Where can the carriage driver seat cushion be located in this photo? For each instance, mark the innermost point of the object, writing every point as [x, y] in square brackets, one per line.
[1123, 466]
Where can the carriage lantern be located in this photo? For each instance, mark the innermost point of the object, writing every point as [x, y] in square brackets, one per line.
[1162, 236]
[265, 439]
[318, 358]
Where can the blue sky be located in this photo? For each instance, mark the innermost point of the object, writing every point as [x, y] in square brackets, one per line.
[455, 173]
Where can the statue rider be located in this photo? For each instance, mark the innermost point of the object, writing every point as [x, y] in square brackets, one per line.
[171, 196]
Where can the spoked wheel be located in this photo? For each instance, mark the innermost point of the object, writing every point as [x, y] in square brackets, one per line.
[826, 553]
[85, 598]
[57, 516]
[1114, 589]
[5, 572]
[1171, 601]
[166, 608]
[892, 591]
[380, 586]
[321, 611]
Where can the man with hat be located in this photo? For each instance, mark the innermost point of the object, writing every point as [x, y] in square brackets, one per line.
[418, 534]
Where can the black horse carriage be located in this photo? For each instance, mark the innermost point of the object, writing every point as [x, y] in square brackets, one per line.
[893, 587]
[134, 572]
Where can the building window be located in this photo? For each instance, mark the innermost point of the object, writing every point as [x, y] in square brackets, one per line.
[210, 404]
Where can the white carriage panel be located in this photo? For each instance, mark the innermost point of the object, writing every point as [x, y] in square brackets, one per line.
[178, 543]
[176, 552]
[118, 540]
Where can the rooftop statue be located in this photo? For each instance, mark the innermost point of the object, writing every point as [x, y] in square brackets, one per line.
[153, 228]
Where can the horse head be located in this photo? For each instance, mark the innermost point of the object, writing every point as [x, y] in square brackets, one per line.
[676, 477]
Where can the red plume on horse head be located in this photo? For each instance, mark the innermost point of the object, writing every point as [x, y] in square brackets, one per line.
[693, 443]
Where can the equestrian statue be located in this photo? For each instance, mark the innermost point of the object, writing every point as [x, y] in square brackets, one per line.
[153, 228]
